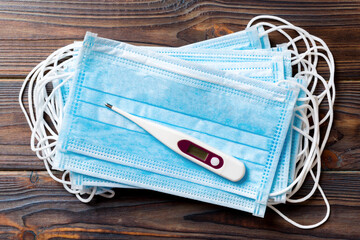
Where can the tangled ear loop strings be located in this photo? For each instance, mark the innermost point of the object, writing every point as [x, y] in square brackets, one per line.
[41, 104]
[308, 156]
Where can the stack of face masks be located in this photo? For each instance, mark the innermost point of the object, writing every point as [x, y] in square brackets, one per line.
[234, 93]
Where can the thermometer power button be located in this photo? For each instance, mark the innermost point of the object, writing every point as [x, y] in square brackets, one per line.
[214, 161]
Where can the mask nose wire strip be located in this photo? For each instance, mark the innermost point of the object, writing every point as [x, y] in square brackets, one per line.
[306, 160]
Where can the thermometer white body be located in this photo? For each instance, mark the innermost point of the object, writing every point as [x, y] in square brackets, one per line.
[191, 148]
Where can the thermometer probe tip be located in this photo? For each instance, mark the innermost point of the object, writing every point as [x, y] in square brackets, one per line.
[108, 105]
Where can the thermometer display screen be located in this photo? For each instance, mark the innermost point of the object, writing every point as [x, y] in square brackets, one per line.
[197, 152]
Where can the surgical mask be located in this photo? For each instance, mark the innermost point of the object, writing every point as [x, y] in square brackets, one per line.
[263, 70]
[249, 39]
[241, 40]
[80, 181]
[269, 66]
[117, 172]
[272, 64]
[258, 142]
[271, 69]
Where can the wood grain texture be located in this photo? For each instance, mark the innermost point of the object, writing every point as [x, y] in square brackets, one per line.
[29, 32]
[32, 204]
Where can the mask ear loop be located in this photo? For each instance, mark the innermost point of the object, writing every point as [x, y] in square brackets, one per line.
[306, 169]
[312, 151]
[44, 149]
[31, 117]
[279, 27]
[291, 41]
[308, 72]
[88, 199]
[46, 104]
[308, 52]
[108, 193]
[66, 186]
[326, 217]
[303, 36]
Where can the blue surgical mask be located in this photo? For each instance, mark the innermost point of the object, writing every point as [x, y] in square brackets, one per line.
[266, 65]
[241, 40]
[79, 181]
[270, 69]
[252, 125]
[140, 178]
[248, 39]
[270, 65]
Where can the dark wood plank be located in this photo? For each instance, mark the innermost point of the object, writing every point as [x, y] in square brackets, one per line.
[32, 204]
[31, 31]
[343, 151]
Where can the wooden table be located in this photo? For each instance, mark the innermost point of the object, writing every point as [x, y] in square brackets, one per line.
[33, 206]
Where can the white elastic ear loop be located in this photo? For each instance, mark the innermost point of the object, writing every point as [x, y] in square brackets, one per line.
[300, 31]
[276, 19]
[22, 106]
[330, 97]
[30, 118]
[66, 183]
[331, 66]
[37, 103]
[312, 67]
[305, 128]
[326, 217]
[316, 185]
[47, 105]
[88, 199]
[30, 79]
[254, 19]
[278, 28]
[108, 193]
[314, 48]
[305, 36]
[43, 143]
[312, 149]
[327, 85]
[329, 114]
[316, 180]
[40, 118]
[306, 168]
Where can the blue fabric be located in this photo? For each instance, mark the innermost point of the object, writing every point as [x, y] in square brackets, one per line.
[266, 65]
[247, 119]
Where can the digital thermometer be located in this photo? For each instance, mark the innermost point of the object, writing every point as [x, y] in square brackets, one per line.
[190, 148]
